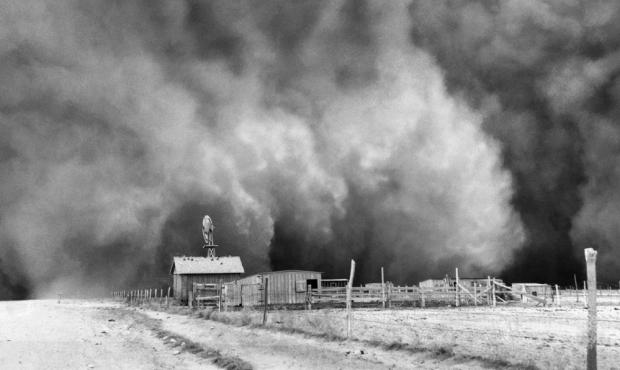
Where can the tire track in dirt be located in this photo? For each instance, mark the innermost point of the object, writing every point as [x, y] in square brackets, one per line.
[272, 349]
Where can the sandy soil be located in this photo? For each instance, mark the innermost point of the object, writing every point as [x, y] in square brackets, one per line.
[108, 335]
[547, 338]
[105, 335]
[79, 335]
[271, 349]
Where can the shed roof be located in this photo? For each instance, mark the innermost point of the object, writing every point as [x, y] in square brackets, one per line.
[288, 271]
[206, 265]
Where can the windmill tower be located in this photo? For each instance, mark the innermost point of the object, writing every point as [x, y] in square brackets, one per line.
[207, 234]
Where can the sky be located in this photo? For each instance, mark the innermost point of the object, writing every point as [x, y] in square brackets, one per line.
[415, 135]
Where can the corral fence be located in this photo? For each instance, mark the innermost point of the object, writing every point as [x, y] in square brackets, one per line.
[376, 316]
[387, 296]
[254, 298]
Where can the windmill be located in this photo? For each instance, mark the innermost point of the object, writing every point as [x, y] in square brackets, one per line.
[207, 234]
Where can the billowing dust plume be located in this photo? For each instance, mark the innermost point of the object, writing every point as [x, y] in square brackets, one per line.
[545, 76]
[312, 132]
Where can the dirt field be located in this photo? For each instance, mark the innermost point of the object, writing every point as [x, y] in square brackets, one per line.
[109, 335]
[274, 349]
[80, 335]
[546, 338]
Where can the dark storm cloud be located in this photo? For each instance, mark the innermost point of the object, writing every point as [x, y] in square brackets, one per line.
[545, 74]
[312, 133]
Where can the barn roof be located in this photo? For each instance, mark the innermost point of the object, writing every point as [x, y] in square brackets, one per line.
[206, 265]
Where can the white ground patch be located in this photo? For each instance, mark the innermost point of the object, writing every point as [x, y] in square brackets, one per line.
[45, 334]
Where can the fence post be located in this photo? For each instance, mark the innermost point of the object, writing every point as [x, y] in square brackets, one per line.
[458, 295]
[382, 289]
[475, 294]
[349, 286]
[488, 290]
[590, 255]
[423, 299]
[265, 300]
[557, 294]
[308, 297]
[167, 295]
[576, 287]
[494, 299]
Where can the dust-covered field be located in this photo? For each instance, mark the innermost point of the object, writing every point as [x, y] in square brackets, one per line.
[78, 334]
[81, 334]
[547, 338]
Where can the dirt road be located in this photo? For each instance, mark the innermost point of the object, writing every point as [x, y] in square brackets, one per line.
[106, 335]
[273, 349]
[82, 335]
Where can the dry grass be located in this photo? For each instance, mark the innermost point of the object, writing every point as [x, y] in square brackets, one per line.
[182, 343]
[329, 325]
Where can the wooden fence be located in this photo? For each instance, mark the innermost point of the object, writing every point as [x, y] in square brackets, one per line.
[458, 295]
[388, 295]
[141, 296]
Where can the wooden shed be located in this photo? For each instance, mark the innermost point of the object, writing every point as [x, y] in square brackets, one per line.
[283, 287]
[535, 289]
[186, 271]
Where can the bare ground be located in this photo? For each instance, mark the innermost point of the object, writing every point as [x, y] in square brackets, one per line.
[79, 335]
[275, 349]
[108, 335]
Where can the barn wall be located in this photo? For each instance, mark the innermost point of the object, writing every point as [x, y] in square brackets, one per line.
[282, 288]
[176, 285]
[183, 284]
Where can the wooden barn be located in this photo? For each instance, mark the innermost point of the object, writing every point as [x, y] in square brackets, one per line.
[283, 287]
[186, 271]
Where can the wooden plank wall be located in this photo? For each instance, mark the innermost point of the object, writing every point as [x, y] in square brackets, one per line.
[182, 284]
[281, 288]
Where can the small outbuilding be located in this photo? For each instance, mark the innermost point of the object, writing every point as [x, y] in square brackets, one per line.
[435, 283]
[535, 289]
[186, 271]
[283, 287]
[449, 282]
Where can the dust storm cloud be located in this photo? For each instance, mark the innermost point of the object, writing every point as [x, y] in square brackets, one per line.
[418, 136]
[545, 76]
